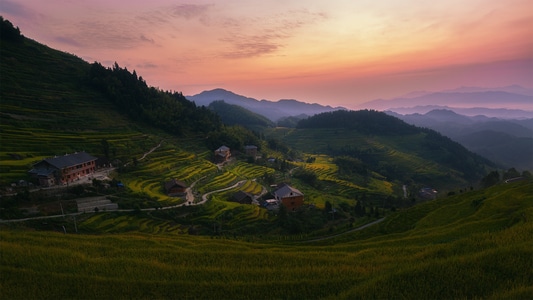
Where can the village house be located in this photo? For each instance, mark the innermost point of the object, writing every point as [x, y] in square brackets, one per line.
[63, 169]
[242, 198]
[290, 197]
[250, 150]
[222, 154]
[176, 188]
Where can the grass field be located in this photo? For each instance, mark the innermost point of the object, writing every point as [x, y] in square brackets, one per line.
[475, 245]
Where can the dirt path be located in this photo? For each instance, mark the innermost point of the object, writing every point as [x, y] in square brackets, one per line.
[147, 153]
[346, 232]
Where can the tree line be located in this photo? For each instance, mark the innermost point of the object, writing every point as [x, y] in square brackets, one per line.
[170, 111]
[364, 121]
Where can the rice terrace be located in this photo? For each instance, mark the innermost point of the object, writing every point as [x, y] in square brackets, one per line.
[115, 189]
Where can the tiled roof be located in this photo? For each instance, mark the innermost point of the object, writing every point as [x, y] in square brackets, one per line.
[68, 160]
[174, 182]
[287, 191]
[42, 172]
[240, 196]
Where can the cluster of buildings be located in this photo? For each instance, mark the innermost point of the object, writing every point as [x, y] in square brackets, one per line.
[61, 170]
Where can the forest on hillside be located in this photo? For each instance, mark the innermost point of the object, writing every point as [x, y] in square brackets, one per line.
[430, 144]
[170, 111]
[364, 121]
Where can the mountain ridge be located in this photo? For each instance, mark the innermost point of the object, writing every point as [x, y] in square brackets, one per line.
[506, 142]
[509, 102]
[273, 110]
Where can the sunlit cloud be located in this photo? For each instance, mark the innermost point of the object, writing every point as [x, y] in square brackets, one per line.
[316, 50]
[189, 11]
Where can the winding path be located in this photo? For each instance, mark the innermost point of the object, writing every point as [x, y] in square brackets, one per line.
[190, 202]
[346, 232]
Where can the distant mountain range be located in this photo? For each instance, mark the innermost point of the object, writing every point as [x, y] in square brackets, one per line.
[506, 142]
[497, 124]
[273, 110]
[510, 102]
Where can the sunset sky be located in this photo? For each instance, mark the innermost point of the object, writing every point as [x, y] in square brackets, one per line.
[335, 52]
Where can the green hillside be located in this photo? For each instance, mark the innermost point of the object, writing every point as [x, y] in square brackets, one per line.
[477, 245]
[385, 145]
[236, 115]
[54, 103]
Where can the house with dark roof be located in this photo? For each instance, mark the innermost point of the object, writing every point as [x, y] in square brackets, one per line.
[250, 150]
[242, 198]
[222, 154]
[176, 188]
[290, 197]
[63, 169]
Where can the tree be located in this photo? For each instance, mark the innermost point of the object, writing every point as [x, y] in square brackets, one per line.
[328, 207]
[491, 179]
[511, 173]
[359, 209]
[283, 216]
[9, 32]
[105, 148]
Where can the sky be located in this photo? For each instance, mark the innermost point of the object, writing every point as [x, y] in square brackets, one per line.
[335, 52]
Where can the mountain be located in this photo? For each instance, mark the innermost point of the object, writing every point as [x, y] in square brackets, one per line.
[512, 102]
[502, 113]
[273, 110]
[507, 150]
[386, 147]
[53, 103]
[515, 89]
[232, 114]
[506, 142]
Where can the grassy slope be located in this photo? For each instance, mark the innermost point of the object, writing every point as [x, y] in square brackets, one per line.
[476, 245]
[403, 154]
[47, 109]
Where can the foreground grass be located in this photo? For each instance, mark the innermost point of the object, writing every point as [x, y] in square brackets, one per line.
[461, 249]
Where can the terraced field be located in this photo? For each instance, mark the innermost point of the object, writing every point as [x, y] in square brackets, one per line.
[248, 171]
[117, 223]
[166, 163]
[476, 245]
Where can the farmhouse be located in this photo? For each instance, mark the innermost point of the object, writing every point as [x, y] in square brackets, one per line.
[176, 188]
[222, 154]
[242, 198]
[290, 197]
[63, 169]
[250, 150]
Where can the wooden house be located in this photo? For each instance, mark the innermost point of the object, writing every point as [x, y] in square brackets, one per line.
[222, 154]
[250, 150]
[242, 197]
[290, 197]
[176, 188]
[63, 169]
